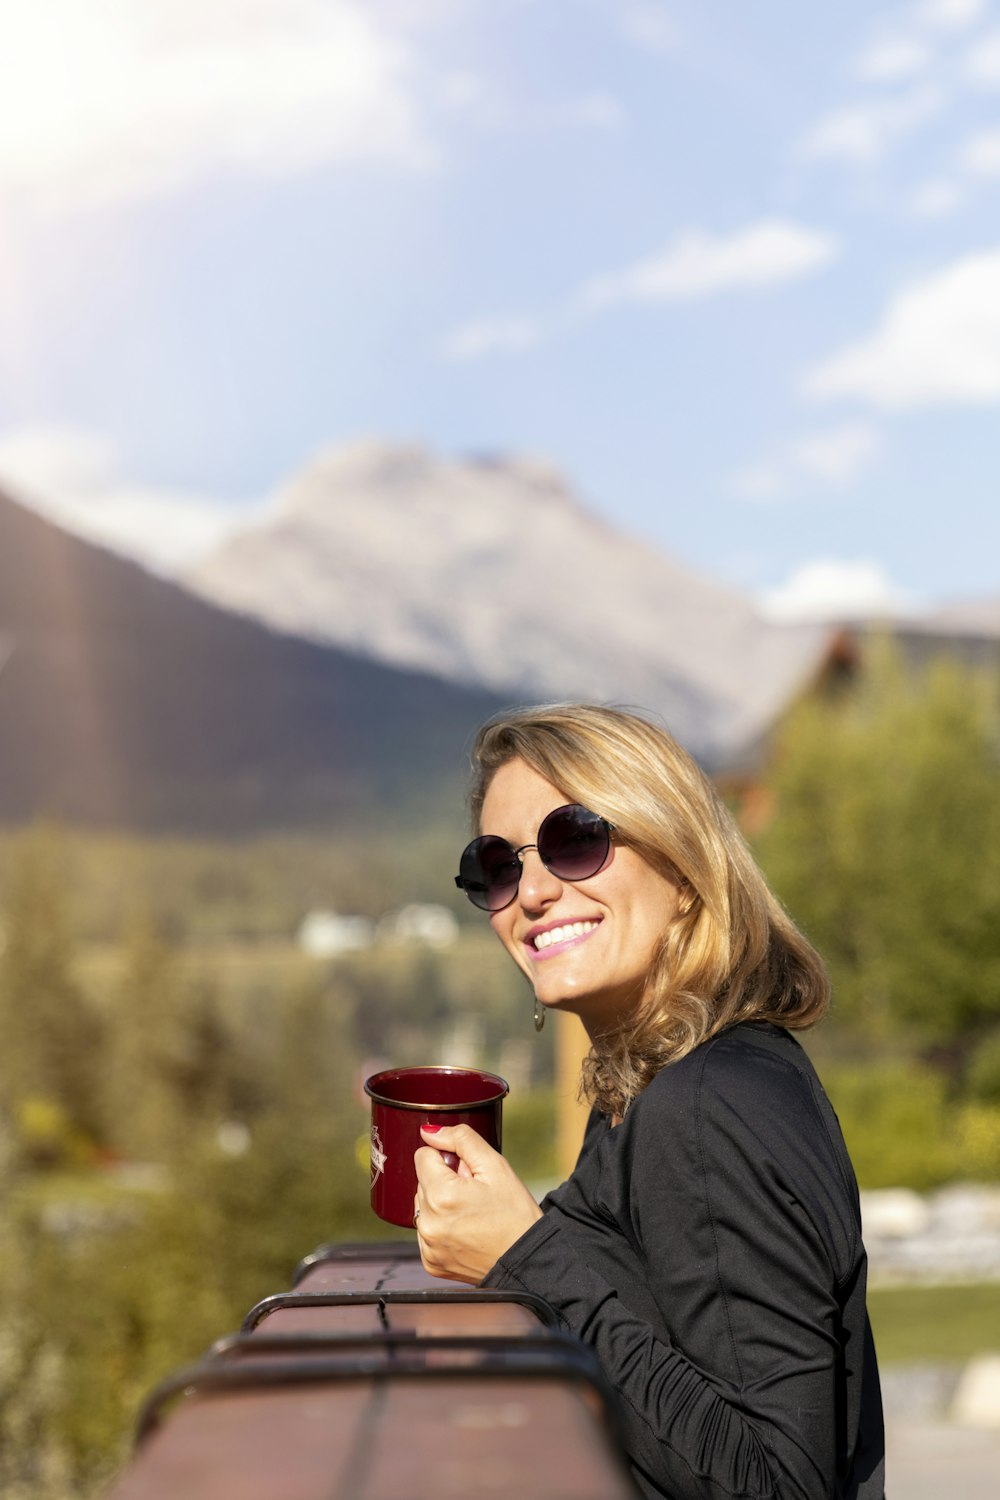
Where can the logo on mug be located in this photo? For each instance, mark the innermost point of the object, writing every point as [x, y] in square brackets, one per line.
[378, 1156]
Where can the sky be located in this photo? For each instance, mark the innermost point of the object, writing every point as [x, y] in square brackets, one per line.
[733, 267]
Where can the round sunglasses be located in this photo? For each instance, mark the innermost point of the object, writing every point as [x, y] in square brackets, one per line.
[572, 842]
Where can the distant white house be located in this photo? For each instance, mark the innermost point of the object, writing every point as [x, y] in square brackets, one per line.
[420, 922]
[323, 934]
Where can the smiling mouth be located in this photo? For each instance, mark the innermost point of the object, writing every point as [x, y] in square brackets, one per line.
[565, 934]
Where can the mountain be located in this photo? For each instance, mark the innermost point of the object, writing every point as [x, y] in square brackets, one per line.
[490, 572]
[126, 700]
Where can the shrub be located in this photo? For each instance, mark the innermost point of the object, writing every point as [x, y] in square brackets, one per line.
[895, 1122]
[976, 1134]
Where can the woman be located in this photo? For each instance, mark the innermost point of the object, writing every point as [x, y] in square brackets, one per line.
[707, 1244]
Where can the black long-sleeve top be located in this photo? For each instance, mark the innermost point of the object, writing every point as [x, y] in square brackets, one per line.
[709, 1249]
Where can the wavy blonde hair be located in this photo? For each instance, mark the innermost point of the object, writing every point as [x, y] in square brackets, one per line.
[732, 953]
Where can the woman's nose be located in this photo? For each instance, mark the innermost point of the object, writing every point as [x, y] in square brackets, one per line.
[538, 885]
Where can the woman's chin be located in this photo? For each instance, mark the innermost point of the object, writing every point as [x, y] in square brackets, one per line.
[570, 1003]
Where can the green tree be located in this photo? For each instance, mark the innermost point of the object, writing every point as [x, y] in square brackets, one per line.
[147, 1046]
[165, 1049]
[885, 844]
[52, 1037]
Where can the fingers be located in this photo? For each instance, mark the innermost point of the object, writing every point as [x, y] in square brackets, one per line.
[456, 1163]
[427, 1223]
[463, 1142]
[432, 1169]
[441, 1191]
[464, 1226]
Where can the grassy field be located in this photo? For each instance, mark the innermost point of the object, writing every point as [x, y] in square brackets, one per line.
[915, 1325]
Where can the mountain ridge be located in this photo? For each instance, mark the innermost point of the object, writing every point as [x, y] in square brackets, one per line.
[491, 571]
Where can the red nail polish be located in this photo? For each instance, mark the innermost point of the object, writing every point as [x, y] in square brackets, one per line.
[430, 1129]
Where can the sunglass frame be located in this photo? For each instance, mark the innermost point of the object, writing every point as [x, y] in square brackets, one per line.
[470, 885]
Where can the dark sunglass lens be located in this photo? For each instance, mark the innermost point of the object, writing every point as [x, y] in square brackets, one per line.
[574, 842]
[489, 871]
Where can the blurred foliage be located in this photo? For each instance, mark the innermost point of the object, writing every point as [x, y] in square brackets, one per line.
[884, 842]
[885, 845]
[95, 1314]
[52, 1035]
[975, 1136]
[250, 891]
[529, 1137]
[179, 1116]
[983, 1074]
[904, 1126]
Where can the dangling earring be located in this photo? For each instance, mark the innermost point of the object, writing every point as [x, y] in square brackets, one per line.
[539, 1015]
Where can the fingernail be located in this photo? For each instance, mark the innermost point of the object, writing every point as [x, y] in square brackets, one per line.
[430, 1129]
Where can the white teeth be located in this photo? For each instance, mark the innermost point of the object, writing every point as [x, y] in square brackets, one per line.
[563, 934]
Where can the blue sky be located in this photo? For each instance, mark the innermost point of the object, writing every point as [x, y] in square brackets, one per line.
[734, 267]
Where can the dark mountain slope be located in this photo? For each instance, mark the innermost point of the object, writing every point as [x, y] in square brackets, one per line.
[125, 700]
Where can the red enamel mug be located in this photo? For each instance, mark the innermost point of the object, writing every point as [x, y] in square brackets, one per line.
[403, 1099]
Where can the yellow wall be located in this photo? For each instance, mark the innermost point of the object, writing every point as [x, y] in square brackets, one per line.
[572, 1046]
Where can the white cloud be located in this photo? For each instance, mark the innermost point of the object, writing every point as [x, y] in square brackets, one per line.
[694, 265]
[865, 133]
[982, 61]
[979, 156]
[938, 343]
[890, 58]
[830, 459]
[910, 42]
[949, 15]
[55, 460]
[484, 336]
[838, 455]
[835, 589]
[936, 198]
[650, 25]
[701, 265]
[73, 476]
[116, 99]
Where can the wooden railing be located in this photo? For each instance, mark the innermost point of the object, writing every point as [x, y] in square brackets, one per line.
[371, 1380]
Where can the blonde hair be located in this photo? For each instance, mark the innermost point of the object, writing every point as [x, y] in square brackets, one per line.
[731, 953]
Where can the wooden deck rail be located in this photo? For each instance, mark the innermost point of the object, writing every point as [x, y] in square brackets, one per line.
[371, 1380]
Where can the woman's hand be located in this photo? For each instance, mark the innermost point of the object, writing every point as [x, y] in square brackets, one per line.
[468, 1217]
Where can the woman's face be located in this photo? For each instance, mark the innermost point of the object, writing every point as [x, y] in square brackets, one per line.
[609, 926]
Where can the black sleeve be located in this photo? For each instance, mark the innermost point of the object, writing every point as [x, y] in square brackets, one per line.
[713, 1175]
